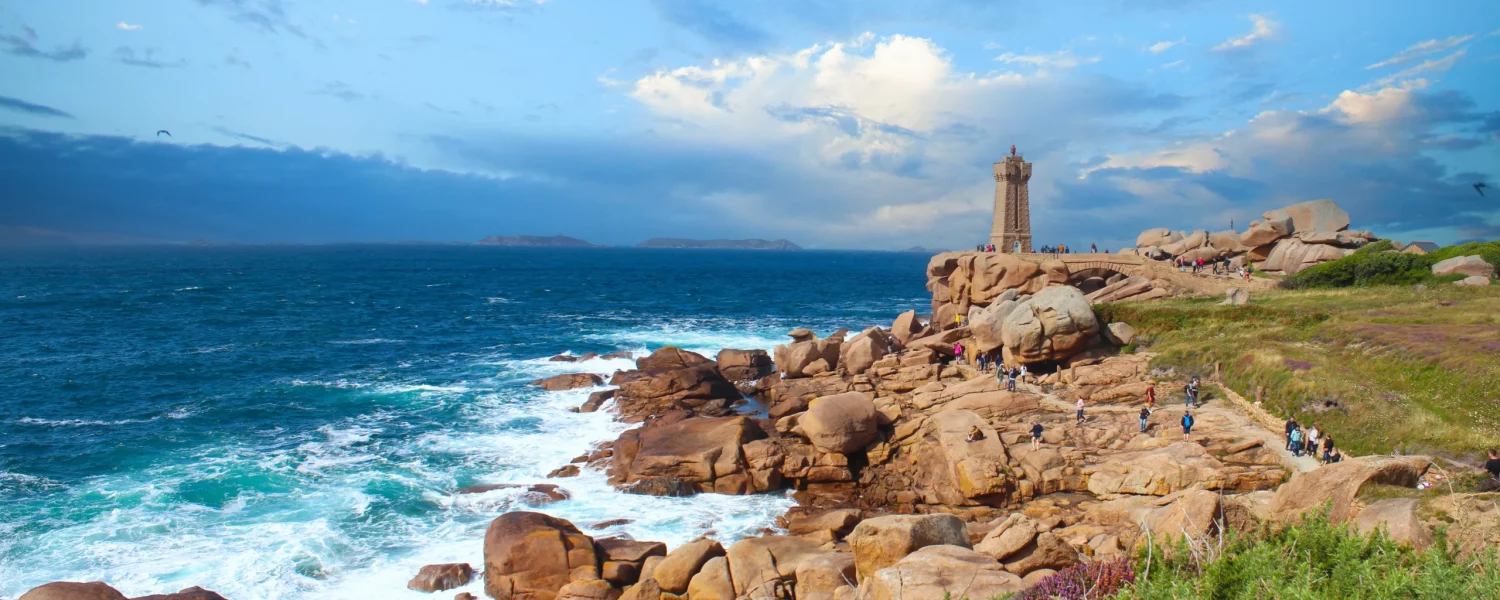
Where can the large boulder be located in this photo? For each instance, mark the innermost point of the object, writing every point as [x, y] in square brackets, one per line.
[861, 351]
[530, 556]
[906, 327]
[1473, 281]
[568, 381]
[1262, 233]
[819, 575]
[979, 468]
[1195, 515]
[1156, 472]
[1192, 241]
[1009, 537]
[676, 571]
[744, 365]
[940, 572]
[702, 452]
[436, 578]
[1340, 482]
[1398, 518]
[1160, 236]
[192, 593]
[1292, 256]
[669, 358]
[1052, 325]
[988, 325]
[1227, 241]
[880, 542]
[980, 277]
[712, 582]
[1469, 266]
[700, 389]
[72, 590]
[1119, 333]
[1317, 215]
[1048, 551]
[839, 424]
[795, 358]
[759, 565]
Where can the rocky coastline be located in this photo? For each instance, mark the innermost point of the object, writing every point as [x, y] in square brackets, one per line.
[914, 472]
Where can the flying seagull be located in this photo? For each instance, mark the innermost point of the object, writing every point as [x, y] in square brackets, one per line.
[161, 131]
[1479, 187]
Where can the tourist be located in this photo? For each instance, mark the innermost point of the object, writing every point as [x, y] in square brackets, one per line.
[1311, 440]
[1145, 414]
[1010, 385]
[1080, 410]
[1187, 425]
[1036, 436]
[1151, 395]
[1327, 448]
[1336, 456]
[1291, 425]
[958, 352]
[1000, 374]
[1493, 464]
[975, 434]
[1021, 376]
[1296, 442]
[1094, 248]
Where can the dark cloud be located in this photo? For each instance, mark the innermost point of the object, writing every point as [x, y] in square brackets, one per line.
[34, 109]
[145, 60]
[234, 60]
[247, 137]
[714, 23]
[24, 45]
[267, 16]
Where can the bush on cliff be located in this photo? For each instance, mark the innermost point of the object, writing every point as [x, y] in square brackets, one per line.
[1380, 264]
[1314, 560]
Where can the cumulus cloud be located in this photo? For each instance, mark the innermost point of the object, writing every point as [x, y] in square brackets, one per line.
[1262, 29]
[1421, 49]
[1164, 46]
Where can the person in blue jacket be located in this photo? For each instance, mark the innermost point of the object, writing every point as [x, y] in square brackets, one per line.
[1187, 425]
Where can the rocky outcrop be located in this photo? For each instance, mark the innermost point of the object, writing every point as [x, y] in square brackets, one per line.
[1288, 240]
[436, 578]
[1317, 215]
[623, 559]
[940, 572]
[1474, 281]
[670, 358]
[1052, 325]
[676, 571]
[568, 381]
[71, 590]
[859, 353]
[192, 593]
[801, 358]
[699, 389]
[959, 280]
[882, 541]
[906, 327]
[530, 556]
[744, 365]
[1338, 483]
[704, 453]
[1293, 256]
[760, 566]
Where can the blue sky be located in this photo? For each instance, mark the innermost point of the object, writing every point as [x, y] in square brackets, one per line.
[834, 123]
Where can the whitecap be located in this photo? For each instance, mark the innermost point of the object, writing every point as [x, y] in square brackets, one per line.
[188, 289]
[79, 422]
[497, 300]
[368, 341]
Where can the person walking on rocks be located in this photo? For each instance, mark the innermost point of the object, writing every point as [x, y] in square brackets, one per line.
[1187, 425]
[1080, 410]
[1021, 375]
[1000, 374]
[1145, 414]
[1151, 395]
[1291, 425]
[1295, 441]
[1036, 436]
[1311, 440]
[1010, 384]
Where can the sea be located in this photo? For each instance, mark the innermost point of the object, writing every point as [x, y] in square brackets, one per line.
[287, 422]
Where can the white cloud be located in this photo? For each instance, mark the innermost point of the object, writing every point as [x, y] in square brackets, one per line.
[1425, 67]
[1061, 59]
[1421, 49]
[1263, 29]
[1163, 46]
[1174, 64]
[126, 26]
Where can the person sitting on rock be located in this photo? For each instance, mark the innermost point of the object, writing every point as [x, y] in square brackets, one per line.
[1187, 425]
[975, 434]
[1335, 457]
[1493, 464]
[1036, 436]
[1145, 414]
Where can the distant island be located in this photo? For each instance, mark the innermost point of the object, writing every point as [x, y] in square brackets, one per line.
[555, 241]
[718, 244]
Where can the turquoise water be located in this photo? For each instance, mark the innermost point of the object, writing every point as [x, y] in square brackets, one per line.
[293, 422]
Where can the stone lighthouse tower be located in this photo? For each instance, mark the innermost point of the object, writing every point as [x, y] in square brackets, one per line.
[1012, 229]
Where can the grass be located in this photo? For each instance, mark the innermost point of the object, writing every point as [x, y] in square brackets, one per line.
[1380, 264]
[1405, 370]
[1313, 560]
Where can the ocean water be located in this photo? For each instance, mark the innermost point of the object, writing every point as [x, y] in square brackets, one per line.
[293, 422]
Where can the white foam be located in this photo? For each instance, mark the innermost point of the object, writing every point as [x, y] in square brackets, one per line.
[368, 341]
[79, 422]
[188, 289]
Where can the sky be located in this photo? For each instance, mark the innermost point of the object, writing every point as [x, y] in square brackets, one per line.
[866, 124]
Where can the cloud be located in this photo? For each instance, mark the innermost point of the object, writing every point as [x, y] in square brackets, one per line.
[1163, 46]
[1426, 67]
[30, 108]
[1262, 29]
[712, 22]
[127, 27]
[247, 137]
[233, 59]
[340, 90]
[1420, 49]
[23, 45]
[268, 16]
[145, 60]
[1062, 59]
[1174, 64]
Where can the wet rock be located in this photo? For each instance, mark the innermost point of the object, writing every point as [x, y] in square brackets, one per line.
[192, 593]
[696, 451]
[530, 556]
[596, 400]
[436, 578]
[71, 590]
[744, 365]
[569, 381]
[565, 471]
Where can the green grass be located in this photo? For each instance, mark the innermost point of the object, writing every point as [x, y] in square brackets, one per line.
[1379, 264]
[1313, 560]
[1415, 371]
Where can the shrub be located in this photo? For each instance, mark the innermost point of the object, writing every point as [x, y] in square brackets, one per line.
[1380, 264]
[1316, 560]
[1083, 581]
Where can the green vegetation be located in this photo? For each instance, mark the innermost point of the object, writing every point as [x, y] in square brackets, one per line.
[1380, 368]
[1380, 264]
[1314, 560]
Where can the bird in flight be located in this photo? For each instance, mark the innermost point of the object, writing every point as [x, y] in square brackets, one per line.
[161, 131]
[1479, 187]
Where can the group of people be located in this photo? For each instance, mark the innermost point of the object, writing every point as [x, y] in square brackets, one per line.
[1190, 392]
[1058, 249]
[1311, 442]
[1218, 266]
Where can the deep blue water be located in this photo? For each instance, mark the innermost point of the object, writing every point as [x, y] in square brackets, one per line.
[292, 422]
